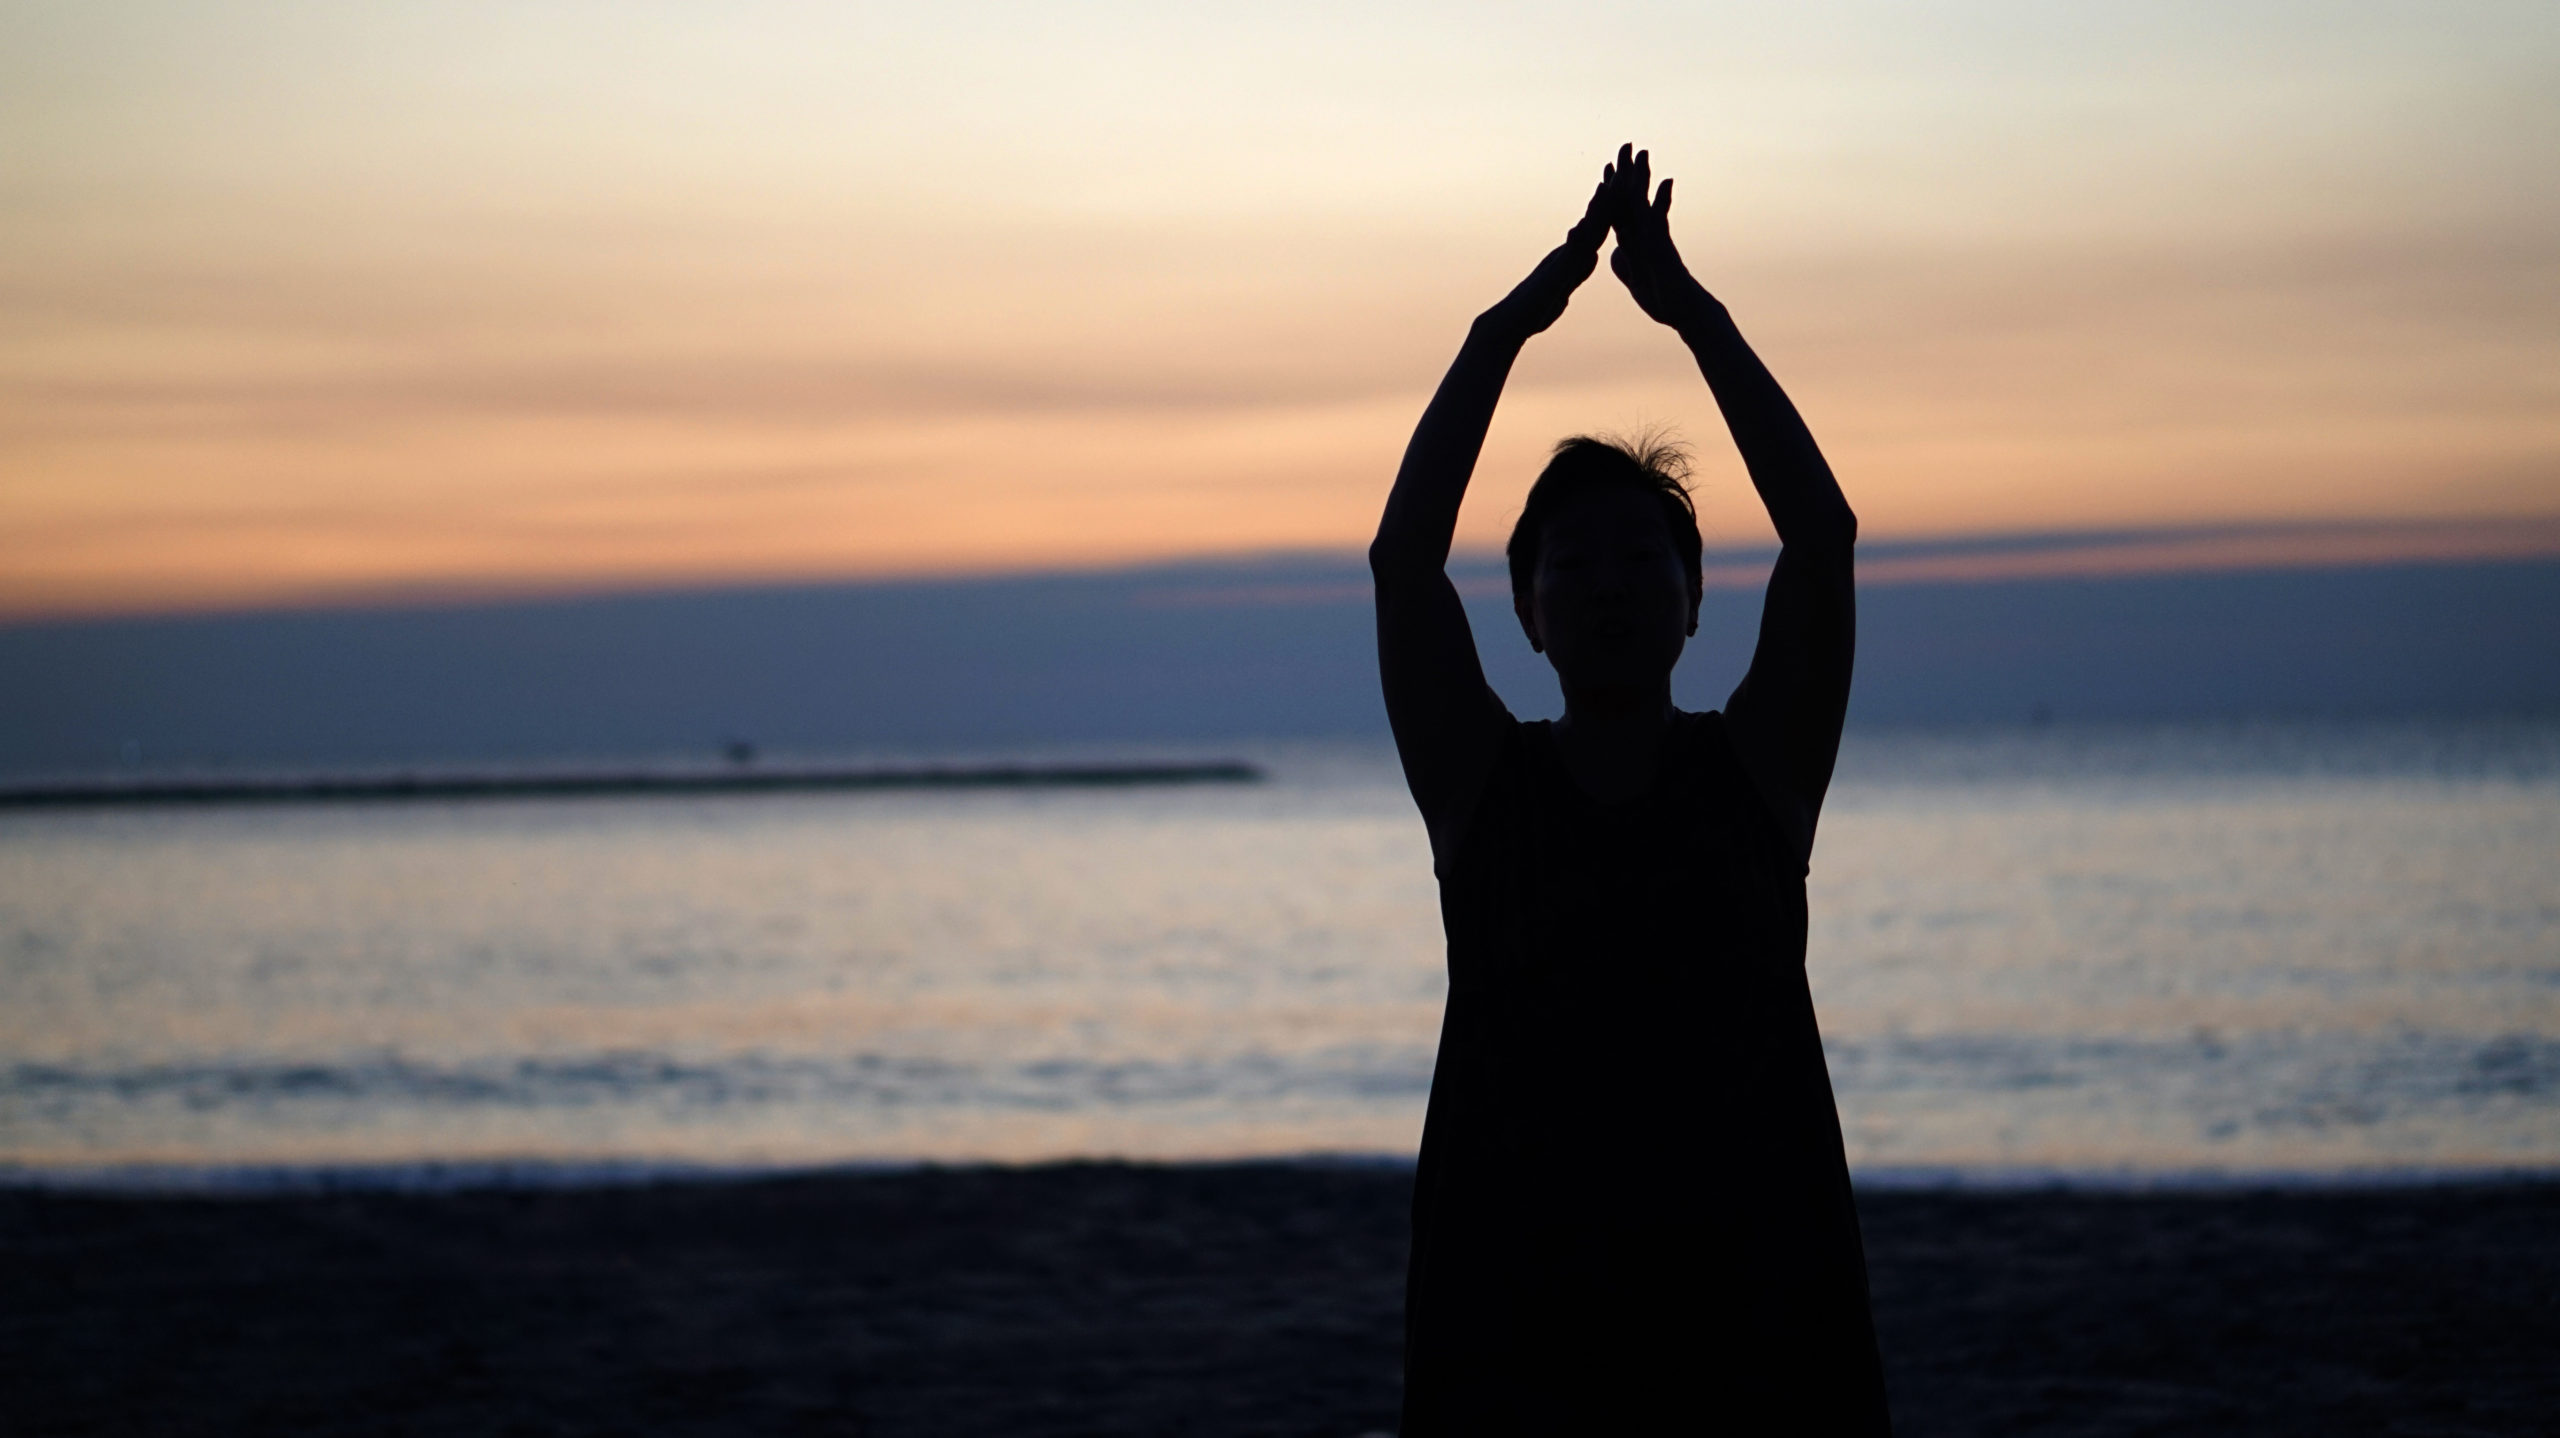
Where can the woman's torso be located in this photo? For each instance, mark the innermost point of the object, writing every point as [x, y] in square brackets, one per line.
[1632, 1194]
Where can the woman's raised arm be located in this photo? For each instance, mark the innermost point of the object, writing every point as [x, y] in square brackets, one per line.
[1786, 714]
[1446, 720]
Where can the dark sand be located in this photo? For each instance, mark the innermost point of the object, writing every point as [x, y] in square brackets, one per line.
[1258, 1299]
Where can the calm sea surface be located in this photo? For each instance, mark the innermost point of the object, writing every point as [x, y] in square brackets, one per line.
[2302, 949]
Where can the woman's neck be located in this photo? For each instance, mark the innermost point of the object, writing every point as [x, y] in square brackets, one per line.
[1611, 739]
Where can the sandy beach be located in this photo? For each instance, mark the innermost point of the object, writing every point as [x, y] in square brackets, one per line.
[1222, 1299]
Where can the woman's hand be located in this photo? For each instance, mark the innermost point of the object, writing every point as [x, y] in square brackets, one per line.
[1539, 300]
[1645, 259]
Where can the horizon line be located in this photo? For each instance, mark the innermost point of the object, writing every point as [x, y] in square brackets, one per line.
[2120, 552]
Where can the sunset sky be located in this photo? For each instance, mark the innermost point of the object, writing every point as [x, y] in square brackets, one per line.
[309, 302]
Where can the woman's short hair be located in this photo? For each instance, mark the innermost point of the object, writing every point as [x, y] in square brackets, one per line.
[1651, 463]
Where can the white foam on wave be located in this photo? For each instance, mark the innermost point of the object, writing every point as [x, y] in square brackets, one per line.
[532, 1174]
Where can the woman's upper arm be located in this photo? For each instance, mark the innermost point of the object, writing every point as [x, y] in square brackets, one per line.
[1787, 713]
[1447, 722]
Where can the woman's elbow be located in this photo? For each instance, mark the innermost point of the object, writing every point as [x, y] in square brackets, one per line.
[1828, 527]
[1836, 523]
[1395, 557]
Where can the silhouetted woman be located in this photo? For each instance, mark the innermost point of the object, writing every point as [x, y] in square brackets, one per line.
[1632, 1212]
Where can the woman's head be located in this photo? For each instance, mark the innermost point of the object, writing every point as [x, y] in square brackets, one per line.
[1605, 562]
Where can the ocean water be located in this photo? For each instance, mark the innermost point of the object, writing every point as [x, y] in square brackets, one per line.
[2309, 950]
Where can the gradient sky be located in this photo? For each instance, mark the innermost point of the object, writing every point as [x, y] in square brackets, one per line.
[314, 301]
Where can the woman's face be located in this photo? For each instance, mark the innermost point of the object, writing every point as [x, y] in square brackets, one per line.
[1611, 605]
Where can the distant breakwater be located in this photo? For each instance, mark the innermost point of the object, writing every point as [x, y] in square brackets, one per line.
[299, 789]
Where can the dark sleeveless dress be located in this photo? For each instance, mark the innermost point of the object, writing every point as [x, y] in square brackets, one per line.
[1632, 1211]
